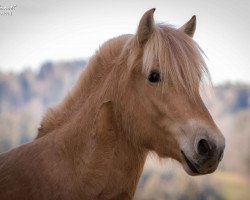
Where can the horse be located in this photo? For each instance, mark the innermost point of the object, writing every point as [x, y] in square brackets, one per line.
[138, 94]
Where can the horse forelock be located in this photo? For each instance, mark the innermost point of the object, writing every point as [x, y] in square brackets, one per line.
[178, 57]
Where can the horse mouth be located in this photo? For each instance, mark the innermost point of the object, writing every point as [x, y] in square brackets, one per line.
[190, 164]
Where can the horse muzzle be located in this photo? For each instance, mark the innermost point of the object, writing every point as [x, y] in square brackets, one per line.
[205, 158]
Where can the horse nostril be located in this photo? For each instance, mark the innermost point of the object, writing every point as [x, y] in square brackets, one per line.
[203, 147]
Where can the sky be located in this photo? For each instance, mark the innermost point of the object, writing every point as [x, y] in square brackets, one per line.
[34, 32]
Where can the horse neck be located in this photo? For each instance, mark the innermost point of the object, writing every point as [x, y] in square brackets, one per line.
[112, 167]
[81, 104]
[125, 171]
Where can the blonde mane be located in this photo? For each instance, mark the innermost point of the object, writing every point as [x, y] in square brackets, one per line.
[178, 56]
[91, 77]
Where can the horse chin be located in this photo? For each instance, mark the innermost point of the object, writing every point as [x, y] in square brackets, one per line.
[189, 166]
[189, 172]
[193, 169]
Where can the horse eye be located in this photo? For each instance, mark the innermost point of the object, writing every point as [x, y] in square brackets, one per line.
[154, 76]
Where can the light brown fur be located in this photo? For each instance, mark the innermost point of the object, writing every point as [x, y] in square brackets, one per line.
[94, 144]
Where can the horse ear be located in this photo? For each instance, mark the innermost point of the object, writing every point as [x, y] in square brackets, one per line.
[189, 27]
[146, 27]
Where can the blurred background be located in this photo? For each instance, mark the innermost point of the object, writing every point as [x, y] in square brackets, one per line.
[44, 46]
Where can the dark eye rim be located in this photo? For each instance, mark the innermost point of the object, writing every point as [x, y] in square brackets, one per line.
[156, 80]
